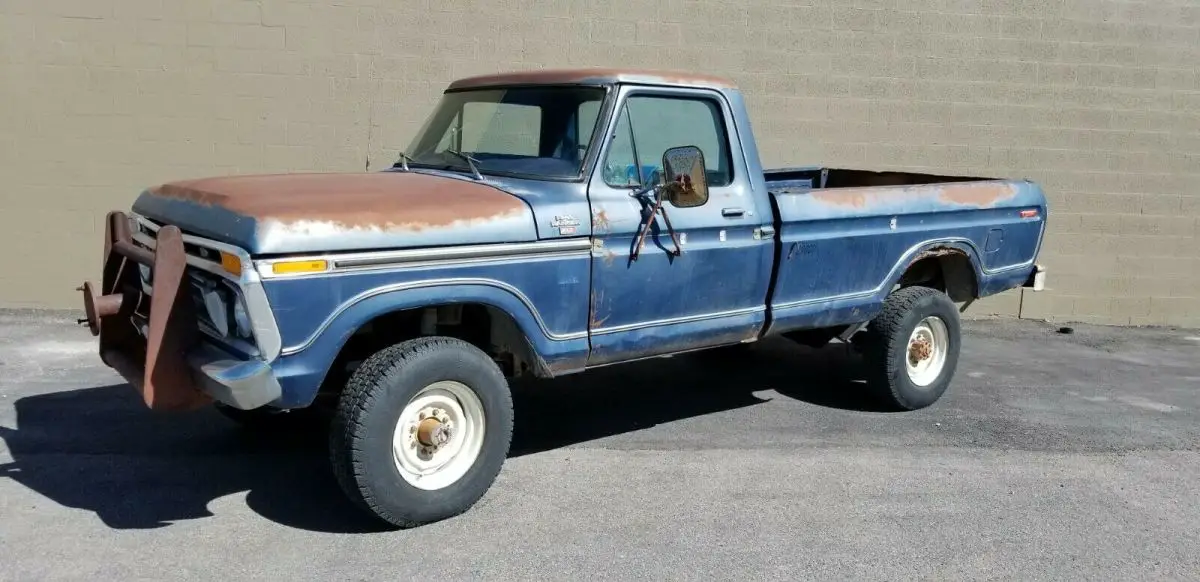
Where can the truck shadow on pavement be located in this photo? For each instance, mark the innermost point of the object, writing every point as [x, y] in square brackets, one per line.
[101, 451]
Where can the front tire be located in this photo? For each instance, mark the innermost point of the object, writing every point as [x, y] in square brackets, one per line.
[422, 431]
[912, 348]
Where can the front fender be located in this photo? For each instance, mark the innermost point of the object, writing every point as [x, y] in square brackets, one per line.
[303, 366]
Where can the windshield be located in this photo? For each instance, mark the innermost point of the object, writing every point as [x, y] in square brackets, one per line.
[539, 132]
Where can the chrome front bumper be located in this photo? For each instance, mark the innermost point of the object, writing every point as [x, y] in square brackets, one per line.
[154, 341]
[244, 384]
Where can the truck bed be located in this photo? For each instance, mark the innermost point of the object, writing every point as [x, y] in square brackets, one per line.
[845, 236]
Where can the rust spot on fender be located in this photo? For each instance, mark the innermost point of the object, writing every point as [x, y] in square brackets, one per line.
[981, 194]
[600, 222]
[974, 194]
[592, 76]
[594, 319]
[351, 200]
[852, 197]
[936, 252]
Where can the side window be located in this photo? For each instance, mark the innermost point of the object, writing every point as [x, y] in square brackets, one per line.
[620, 167]
[660, 123]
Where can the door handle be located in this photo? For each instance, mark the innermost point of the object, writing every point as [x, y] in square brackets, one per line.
[732, 212]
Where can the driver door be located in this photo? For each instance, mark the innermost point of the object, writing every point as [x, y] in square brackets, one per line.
[651, 301]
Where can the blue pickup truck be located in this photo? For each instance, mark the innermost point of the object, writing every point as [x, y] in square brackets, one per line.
[541, 223]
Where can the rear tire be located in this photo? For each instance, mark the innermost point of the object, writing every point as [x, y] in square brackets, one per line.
[422, 430]
[912, 348]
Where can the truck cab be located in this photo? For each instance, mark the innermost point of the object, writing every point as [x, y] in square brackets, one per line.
[543, 223]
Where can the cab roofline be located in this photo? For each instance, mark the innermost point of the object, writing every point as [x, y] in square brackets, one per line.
[593, 76]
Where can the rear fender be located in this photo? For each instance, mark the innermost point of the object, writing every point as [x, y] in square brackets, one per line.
[960, 246]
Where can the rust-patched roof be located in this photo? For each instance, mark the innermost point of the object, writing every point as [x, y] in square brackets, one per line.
[594, 76]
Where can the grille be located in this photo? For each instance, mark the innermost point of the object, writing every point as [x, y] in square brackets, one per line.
[213, 296]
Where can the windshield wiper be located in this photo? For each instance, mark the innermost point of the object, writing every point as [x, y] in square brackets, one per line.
[470, 162]
[403, 161]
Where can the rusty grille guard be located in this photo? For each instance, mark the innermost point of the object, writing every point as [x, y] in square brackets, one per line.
[153, 340]
[156, 365]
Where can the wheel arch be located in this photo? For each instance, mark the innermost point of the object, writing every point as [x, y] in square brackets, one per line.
[371, 323]
[949, 266]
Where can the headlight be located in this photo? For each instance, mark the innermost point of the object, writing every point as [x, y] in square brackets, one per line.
[241, 319]
[215, 306]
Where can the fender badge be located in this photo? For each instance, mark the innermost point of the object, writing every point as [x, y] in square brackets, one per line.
[565, 220]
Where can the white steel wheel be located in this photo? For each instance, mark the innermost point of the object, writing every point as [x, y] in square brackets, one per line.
[439, 435]
[927, 348]
[911, 348]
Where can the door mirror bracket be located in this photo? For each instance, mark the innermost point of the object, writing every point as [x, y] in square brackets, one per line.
[683, 183]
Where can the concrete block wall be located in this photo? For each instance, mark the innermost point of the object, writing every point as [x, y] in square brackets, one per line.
[1099, 100]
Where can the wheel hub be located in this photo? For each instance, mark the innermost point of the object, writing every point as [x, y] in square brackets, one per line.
[920, 349]
[431, 432]
[927, 348]
[438, 435]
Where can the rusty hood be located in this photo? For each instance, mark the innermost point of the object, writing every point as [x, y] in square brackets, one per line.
[304, 213]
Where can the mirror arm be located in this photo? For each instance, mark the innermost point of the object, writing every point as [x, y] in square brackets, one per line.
[674, 180]
[658, 208]
[641, 238]
[670, 229]
[644, 191]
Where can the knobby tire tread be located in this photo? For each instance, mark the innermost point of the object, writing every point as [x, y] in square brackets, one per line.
[882, 345]
[364, 387]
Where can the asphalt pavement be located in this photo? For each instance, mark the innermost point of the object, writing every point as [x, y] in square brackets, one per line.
[1053, 456]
